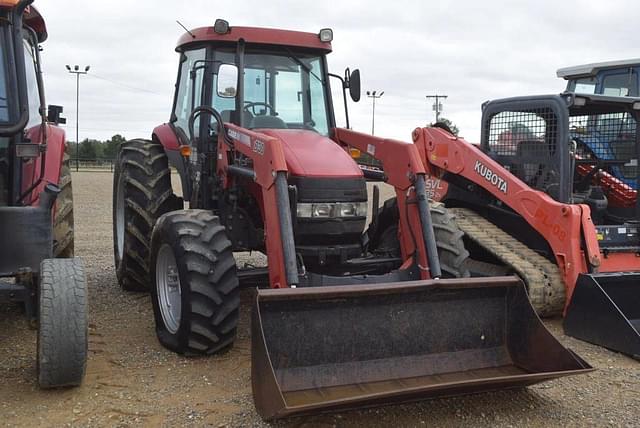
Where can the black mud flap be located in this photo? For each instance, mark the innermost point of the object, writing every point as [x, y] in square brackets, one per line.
[605, 310]
[333, 348]
[25, 238]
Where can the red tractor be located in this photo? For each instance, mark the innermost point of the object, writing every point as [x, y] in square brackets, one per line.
[548, 206]
[37, 268]
[264, 168]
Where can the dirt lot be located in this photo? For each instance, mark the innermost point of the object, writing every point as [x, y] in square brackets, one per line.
[132, 381]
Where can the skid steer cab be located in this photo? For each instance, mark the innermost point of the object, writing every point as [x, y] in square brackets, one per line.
[548, 195]
[344, 316]
[37, 268]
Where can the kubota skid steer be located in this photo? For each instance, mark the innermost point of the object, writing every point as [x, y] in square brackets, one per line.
[264, 168]
[544, 197]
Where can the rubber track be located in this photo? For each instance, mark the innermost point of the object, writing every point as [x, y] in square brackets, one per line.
[543, 279]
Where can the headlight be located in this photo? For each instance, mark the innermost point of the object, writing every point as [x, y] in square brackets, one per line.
[353, 209]
[331, 210]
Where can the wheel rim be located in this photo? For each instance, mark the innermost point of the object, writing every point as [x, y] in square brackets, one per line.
[120, 218]
[168, 286]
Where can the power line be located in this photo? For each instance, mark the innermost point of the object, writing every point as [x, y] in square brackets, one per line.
[437, 107]
[124, 85]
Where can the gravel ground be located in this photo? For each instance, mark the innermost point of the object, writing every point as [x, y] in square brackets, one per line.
[132, 381]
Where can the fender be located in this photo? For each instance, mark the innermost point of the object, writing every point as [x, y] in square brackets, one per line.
[53, 158]
[166, 136]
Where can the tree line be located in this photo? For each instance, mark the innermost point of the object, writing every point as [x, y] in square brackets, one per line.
[108, 149]
[96, 149]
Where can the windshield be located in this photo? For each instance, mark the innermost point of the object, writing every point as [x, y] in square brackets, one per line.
[281, 91]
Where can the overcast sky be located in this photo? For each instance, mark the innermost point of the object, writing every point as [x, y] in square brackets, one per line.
[471, 51]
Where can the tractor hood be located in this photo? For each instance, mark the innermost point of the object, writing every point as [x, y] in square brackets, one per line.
[310, 154]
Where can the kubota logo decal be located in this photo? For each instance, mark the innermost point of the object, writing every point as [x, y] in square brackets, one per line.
[494, 179]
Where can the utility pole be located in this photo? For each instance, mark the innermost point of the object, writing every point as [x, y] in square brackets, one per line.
[77, 72]
[437, 107]
[373, 117]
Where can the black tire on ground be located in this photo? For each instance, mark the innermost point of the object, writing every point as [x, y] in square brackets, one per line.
[63, 241]
[209, 293]
[141, 194]
[383, 237]
[62, 323]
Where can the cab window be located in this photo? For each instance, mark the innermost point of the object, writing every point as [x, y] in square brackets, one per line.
[191, 77]
[33, 94]
[620, 85]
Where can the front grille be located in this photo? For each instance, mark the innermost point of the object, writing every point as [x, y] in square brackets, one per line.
[321, 189]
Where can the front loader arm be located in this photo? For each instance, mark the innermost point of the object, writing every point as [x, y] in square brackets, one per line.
[562, 225]
[269, 171]
[403, 169]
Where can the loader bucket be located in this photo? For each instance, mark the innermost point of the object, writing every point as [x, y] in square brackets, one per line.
[334, 348]
[605, 310]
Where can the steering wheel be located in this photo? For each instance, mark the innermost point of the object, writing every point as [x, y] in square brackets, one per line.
[253, 105]
[219, 123]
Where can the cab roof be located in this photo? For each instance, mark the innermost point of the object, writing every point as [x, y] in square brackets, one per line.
[31, 18]
[589, 70]
[255, 35]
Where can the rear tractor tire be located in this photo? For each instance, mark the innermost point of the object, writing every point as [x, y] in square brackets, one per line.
[141, 194]
[383, 237]
[63, 239]
[62, 323]
[195, 292]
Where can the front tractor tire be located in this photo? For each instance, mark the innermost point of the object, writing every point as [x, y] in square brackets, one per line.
[141, 194]
[195, 292]
[62, 323]
[383, 237]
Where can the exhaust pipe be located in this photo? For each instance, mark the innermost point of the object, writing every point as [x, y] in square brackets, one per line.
[48, 196]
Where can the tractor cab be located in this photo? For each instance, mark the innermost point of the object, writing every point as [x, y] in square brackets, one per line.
[611, 78]
[258, 79]
[275, 83]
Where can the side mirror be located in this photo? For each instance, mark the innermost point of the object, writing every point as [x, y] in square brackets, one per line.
[227, 81]
[54, 115]
[354, 85]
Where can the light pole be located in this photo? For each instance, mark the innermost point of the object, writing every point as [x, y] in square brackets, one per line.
[373, 118]
[77, 72]
[437, 107]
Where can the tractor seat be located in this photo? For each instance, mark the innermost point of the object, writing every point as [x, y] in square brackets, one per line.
[273, 122]
[535, 165]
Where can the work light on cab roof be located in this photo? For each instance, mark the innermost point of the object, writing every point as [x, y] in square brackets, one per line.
[222, 27]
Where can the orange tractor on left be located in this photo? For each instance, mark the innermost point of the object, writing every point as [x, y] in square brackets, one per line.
[37, 268]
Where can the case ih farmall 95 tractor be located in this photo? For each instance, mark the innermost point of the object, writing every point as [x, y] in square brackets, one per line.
[340, 323]
[37, 267]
